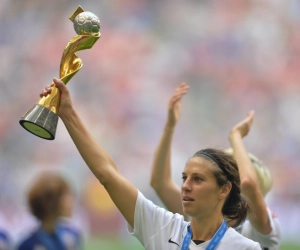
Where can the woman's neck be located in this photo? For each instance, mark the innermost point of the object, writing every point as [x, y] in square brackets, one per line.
[205, 228]
[49, 225]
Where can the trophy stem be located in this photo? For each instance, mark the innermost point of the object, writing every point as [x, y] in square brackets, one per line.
[40, 121]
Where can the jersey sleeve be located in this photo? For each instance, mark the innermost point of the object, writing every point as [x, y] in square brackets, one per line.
[149, 220]
[270, 241]
[273, 238]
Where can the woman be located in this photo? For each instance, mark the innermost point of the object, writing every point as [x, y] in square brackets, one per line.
[262, 225]
[210, 191]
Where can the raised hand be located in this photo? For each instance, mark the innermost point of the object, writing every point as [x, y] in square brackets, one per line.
[174, 108]
[244, 126]
[65, 99]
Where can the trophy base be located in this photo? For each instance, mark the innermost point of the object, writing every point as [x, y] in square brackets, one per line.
[40, 121]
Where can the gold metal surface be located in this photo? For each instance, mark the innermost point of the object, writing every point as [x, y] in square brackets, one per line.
[70, 63]
[41, 120]
[76, 12]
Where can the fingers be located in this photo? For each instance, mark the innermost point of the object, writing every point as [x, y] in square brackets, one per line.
[249, 118]
[183, 88]
[251, 114]
[47, 90]
[56, 83]
[60, 85]
[180, 91]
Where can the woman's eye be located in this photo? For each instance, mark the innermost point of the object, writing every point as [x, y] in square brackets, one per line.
[183, 178]
[198, 179]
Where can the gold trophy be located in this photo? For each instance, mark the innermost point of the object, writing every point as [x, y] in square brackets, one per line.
[41, 120]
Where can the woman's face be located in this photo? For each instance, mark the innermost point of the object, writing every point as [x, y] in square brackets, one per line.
[66, 204]
[201, 195]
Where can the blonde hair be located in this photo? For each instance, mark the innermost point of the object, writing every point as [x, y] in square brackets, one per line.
[263, 173]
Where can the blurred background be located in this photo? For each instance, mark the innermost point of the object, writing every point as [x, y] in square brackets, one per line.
[236, 55]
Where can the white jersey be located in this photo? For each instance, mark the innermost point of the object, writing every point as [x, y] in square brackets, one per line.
[159, 229]
[270, 241]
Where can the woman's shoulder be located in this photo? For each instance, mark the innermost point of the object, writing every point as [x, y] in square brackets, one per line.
[146, 204]
[238, 240]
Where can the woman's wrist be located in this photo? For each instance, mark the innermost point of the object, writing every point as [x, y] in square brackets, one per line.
[234, 134]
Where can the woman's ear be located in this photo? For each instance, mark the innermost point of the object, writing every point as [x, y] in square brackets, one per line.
[225, 190]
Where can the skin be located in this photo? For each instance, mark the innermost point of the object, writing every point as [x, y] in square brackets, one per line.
[66, 204]
[95, 156]
[48, 224]
[258, 216]
[204, 223]
[202, 198]
[65, 210]
[169, 192]
[161, 179]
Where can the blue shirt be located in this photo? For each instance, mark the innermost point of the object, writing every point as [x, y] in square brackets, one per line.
[40, 238]
[70, 236]
[4, 241]
[65, 237]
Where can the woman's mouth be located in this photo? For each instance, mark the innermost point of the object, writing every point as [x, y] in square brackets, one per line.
[187, 199]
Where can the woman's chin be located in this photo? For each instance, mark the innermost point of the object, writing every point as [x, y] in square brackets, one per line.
[188, 212]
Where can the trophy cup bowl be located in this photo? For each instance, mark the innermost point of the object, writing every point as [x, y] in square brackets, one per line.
[41, 120]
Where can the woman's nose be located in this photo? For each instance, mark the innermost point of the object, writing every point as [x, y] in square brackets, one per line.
[186, 185]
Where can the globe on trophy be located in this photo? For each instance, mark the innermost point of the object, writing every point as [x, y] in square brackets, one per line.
[41, 120]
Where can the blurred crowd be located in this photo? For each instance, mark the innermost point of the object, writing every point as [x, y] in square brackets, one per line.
[236, 55]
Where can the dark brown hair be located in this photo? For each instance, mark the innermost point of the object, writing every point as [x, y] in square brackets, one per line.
[236, 206]
[44, 196]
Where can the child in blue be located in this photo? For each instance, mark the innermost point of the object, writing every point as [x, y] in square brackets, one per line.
[48, 199]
